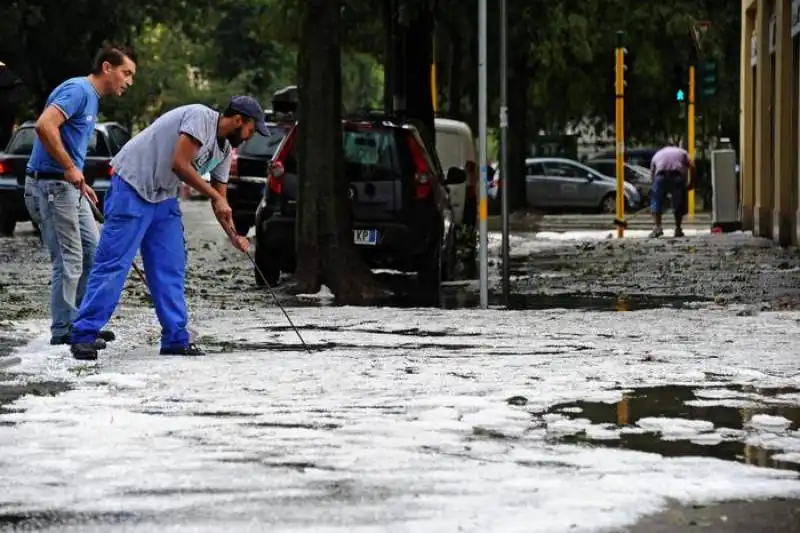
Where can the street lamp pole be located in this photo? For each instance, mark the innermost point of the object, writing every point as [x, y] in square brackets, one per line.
[482, 150]
[504, 143]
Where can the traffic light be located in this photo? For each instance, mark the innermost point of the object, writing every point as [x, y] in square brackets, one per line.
[680, 83]
[709, 78]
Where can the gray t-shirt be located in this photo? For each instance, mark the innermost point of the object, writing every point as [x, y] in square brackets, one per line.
[145, 162]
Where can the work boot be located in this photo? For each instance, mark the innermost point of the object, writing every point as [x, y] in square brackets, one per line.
[190, 350]
[656, 233]
[98, 343]
[85, 351]
[107, 335]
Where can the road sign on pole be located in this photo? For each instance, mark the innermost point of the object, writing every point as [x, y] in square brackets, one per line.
[483, 210]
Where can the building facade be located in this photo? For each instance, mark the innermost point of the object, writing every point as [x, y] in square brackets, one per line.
[770, 113]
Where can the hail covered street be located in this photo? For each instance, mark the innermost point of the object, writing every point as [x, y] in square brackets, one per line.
[630, 382]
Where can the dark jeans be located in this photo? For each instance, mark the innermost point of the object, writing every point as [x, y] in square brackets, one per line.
[673, 183]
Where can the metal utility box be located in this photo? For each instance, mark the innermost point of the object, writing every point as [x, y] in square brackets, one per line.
[725, 191]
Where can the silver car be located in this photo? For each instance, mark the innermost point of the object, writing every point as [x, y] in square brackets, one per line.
[553, 182]
[635, 174]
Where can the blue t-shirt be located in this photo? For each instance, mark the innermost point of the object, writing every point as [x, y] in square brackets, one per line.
[79, 102]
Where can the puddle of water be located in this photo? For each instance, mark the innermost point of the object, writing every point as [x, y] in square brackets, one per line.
[671, 402]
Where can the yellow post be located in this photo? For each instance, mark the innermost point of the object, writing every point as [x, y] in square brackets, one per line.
[690, 135]
[623, 411]
[620, 134]
[434, 91]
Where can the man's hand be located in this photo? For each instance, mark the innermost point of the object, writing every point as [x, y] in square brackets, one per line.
[75, 176]
[240, 243]
[224, 214]
[89, 193]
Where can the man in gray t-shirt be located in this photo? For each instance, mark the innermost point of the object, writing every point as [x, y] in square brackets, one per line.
[142, 213]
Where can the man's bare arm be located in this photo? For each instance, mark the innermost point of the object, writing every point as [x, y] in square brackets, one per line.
[221, 188]
[185, 151]
[47, 128]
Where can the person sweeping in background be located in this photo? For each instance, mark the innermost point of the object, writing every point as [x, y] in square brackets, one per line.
[142, 213]
[670, 167]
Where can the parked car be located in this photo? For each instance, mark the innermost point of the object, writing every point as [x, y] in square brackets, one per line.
[107, 140]
[455, 147]
[250, 162]
[248, 175]
[558, 183]
[636, 175]
[401, 214]
[638, 156]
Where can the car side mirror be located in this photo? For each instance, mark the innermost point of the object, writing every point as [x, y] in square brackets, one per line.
[590, 177]
[455, 176]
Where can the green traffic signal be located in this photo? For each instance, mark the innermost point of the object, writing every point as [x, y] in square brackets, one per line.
[680, 96]
[709, 78]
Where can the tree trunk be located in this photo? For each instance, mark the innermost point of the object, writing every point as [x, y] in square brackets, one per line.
[413, 55]
[518, 84]
[455, 85]
[389, 67]
[325, 250]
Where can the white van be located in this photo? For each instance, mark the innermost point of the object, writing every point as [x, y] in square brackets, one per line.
[455, 147]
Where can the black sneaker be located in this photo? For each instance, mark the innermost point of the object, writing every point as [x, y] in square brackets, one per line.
[84, 352]
[107, 335]
[188, 351]
[656, 233]
[679, 232]
[98, 343]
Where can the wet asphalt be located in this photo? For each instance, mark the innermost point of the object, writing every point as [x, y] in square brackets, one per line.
[750, 275]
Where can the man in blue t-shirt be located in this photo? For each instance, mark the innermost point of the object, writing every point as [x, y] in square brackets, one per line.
[143, 214]
[56, 192]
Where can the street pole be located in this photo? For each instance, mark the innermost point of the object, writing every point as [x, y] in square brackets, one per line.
[434, 82]
[690, 132]
[619, 130]
[482, 151]
[504, 143]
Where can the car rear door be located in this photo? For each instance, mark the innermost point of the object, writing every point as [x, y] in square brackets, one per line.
[373, 168]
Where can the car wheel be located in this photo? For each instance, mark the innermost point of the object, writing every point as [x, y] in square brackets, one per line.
[267, 266]
[7, 223]
[430, 273]
[449, 265]
[242, 226]
[609, 203]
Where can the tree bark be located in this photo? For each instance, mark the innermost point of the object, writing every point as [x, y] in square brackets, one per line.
[325, 250]
[518, 85]
[413, 53]
[455, 86]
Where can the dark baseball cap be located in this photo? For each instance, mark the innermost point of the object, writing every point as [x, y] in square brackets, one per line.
[249, 107]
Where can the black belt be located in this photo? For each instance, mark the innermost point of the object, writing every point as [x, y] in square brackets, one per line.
[45, 175]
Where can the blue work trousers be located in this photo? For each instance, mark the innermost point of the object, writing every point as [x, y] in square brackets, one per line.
[131, 224]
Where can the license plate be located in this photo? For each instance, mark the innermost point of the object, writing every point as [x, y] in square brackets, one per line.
[365, 236]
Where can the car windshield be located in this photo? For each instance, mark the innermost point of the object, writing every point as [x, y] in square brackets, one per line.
[22, 142]
[640, 171]
[261, 146]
